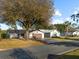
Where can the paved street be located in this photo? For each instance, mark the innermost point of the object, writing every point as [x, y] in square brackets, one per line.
[36, 52]
[65, 43]
[43, 51]
[53, 48]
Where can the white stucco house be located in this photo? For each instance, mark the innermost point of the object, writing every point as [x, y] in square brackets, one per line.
[41, 33]
[51, 33]
[13, 35]
[76, 32]
[44, 33]
[37, 34]
[54, 33]
[16, 33]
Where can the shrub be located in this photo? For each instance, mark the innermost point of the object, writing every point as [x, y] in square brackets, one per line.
[4, 35]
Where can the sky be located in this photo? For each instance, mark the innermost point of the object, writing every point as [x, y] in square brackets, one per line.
[63, 10]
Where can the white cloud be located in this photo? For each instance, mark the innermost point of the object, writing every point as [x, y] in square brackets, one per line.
[57, 21]
[58, 13]
[4, 27]
[68, 19]
[76, 10]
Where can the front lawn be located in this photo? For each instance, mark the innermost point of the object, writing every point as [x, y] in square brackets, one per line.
[16, 43]
[65, 38]
[70, 55]
[75, 52]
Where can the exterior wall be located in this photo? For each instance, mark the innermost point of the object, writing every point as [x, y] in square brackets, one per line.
[39, 34]
[54, 33]
[36, 33]
[47, 35]
[13, 35]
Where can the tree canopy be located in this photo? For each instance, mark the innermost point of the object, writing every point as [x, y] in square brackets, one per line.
[65, 27]
[27, 12]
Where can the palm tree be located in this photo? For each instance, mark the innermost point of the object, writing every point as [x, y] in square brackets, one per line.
[75, 17]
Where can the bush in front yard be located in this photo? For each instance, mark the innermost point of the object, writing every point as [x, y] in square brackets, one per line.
[4, 35]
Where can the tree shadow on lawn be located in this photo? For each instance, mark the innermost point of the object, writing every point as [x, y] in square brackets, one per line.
[52, 56]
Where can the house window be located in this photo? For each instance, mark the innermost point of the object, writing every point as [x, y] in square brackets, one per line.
[46, 35]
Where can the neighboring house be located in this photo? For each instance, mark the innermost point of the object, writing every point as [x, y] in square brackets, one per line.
[16, 33]
[51, 33]
[68, 33]
[76, 33]
[34, 33]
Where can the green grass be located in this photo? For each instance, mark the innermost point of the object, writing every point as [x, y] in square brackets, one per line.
[72, 38]
[59, 39]
[70, 55]
[75, 52]
[64, 38]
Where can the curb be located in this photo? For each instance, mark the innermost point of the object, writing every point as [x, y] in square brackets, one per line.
[68, 51]
[5, 49]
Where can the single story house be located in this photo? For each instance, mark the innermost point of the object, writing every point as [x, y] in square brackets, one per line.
[34, 33]
[16, 33]
[44, 33]
[76, 33]
[51, 33]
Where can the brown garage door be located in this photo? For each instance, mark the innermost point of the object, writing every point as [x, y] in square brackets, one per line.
[37, 36]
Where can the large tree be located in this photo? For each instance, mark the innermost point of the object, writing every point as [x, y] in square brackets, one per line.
[60, 27]
[64, 28]
[29, 13]
[67, 26]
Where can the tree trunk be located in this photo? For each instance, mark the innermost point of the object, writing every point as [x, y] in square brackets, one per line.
[66, 31]
[27, 34]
